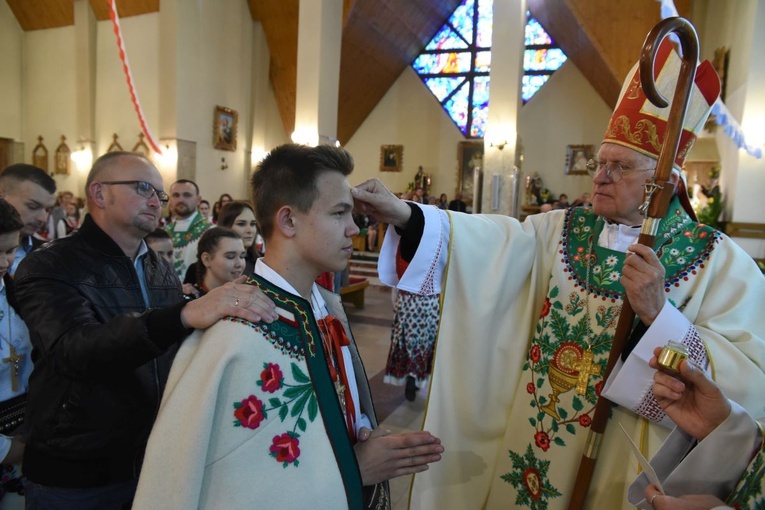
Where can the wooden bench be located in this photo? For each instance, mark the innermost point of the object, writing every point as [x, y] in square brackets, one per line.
[354, 291]
[748, 231]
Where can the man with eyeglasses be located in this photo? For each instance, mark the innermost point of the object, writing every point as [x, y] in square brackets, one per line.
[530, 311]
[188, 226]
[105, 320]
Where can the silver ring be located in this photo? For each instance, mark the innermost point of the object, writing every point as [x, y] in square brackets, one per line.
[652, 498]
[236, 303]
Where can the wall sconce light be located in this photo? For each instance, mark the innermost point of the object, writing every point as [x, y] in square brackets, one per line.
[223, 164]
[83, 156]
[498, 145]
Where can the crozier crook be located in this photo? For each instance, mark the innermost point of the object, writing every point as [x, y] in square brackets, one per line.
[659, 192]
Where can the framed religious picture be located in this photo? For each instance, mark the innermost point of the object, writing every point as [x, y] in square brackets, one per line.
[469, 158]
[224, 128]
[63, 157]
[40, 154]
[577, 157]
[391, 158]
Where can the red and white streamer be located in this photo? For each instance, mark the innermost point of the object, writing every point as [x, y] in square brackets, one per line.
[129, 77]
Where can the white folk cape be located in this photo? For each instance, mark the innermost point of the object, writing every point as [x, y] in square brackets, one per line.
[497, 291]
[250, 419]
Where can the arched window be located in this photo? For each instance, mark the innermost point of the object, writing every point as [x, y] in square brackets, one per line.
[455, 64]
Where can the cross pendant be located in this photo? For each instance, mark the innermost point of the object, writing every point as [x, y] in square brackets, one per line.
[586, 368]
[14, 359]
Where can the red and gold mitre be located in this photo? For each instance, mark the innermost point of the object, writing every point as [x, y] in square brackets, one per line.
[640, 125]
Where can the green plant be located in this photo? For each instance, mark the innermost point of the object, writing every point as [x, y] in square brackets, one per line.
[710, 213]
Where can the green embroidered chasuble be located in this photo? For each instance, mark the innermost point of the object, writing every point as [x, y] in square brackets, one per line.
[514, 341]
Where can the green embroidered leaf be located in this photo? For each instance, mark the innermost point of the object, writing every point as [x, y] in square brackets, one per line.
[554, 426]
[283, 412]
[298, 406]
[558, 305]
[542, 400]
[570, 428]
[554, 292]
[259, 383]
[540, 415]
[559, 325]
[237, 405]
[301, 424]
[265, 413]
[275, 402]
[559, 441]
[579, 331]
[562, 413]
[299, 375]
[540, 382]
[533, 404]
[296, 391]
[576, 403]
[296, 462]
[237, 424]
[313, 407]
[533, 422]
[265, 365]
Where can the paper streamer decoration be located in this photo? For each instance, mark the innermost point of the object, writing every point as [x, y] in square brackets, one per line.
[129, 77]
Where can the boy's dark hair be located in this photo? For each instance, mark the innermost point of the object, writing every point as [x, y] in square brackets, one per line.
[21, 172]
[287, 176]
[208, 243]
[10, 221]
[158, 234]
[229, 212]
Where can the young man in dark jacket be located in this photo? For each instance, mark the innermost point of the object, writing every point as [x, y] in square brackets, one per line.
[105, 319]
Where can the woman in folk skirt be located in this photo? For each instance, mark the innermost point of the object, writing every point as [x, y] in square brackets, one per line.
[412, 340]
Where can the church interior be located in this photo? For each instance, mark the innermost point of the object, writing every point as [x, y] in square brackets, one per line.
[206, 88]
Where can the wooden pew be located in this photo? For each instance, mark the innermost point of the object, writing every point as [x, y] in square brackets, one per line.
[354, 291]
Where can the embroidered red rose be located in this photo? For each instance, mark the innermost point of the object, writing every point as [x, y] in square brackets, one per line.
[598, 388]
[250, 413]
[285, 448]
[530, 387]
[271, 378]
[542, 440]
[702, 234]
[585, 420]
[546, 308]
[535, 353]
[687, 233]
[580, 249]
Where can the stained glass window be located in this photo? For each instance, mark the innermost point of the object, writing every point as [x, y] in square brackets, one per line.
[455, 64]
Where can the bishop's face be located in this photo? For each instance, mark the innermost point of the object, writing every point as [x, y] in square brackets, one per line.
[618, 200]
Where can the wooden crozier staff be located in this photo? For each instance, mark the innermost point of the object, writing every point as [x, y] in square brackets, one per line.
[658, 193]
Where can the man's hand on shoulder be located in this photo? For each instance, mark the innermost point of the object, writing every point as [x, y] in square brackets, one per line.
[383, 456]
[372, 197]
[234, 298]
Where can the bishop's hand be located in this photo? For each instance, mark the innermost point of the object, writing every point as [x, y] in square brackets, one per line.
[643, 281]
[372, 197]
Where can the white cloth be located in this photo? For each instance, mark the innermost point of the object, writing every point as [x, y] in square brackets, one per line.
[712, 466]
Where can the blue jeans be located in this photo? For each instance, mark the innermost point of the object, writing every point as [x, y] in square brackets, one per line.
[110, 497]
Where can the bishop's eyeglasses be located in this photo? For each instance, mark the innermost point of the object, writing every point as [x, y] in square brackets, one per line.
[614, 171]
[144, 189]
